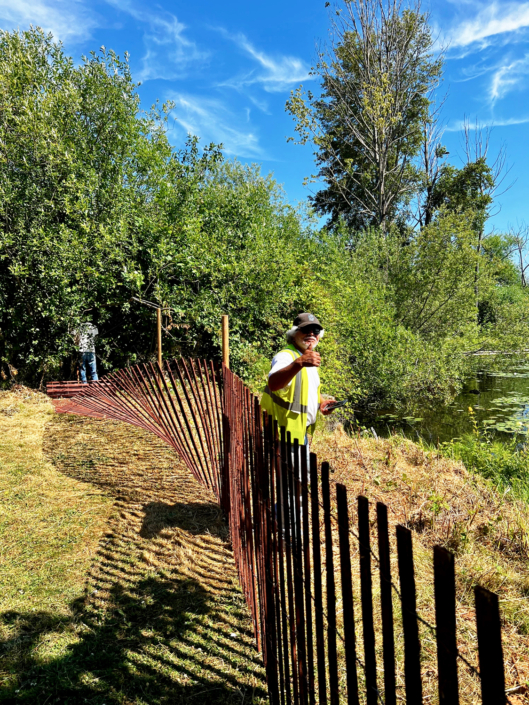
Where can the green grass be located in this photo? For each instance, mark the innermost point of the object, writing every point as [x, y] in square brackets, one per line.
[117, 584]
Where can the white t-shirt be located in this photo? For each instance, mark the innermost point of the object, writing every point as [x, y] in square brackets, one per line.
[87, 334]
[283, 359]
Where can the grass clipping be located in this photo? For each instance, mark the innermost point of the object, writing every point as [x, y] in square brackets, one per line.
[117, 583]
[443, 504]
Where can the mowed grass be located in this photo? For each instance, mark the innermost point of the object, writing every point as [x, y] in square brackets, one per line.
[117, 583]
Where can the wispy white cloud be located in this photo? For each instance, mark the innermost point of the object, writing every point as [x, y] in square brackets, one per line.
[261, 104]
[459, 125]
[509, 76]
[169, 53]
[506, 75]
[212, 121]
[67, 20]
[475, 70]
[275, 73]
[489, 24]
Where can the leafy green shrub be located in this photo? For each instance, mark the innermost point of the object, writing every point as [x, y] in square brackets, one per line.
[504, 462]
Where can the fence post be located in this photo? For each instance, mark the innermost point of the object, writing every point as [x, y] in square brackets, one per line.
[159, 334]
[288, 543]
[347, 596]
[226, 341]
[489, 647]
[318, 597]
[282, 509]
[275, 494]
[386, 604]
[299, 540]
[366, 589]
[331, 594]
[307, 573]
[412, 647]
[445, 620]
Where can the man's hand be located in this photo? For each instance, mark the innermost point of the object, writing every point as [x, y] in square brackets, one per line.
[324, 404]
[281, 378]
[310, 359]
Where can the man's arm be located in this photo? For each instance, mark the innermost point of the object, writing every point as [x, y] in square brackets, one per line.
[281, 378]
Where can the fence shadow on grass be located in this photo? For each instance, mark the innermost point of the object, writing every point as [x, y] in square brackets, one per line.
[193, 517]
[120, 656]
[162, 619]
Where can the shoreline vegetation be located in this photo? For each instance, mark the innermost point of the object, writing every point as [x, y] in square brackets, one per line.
[130, 551]
[501, 460]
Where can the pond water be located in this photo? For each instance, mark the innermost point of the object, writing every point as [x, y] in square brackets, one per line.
[499, 401]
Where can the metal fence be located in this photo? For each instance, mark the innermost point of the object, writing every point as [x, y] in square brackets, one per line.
[324, 631]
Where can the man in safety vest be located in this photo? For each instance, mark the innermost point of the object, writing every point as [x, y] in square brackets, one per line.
[292, 395]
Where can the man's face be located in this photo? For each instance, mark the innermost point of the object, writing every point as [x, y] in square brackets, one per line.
[307, 338]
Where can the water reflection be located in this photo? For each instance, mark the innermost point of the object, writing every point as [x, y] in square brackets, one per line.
[499, 401]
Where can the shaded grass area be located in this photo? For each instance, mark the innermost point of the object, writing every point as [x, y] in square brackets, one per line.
[130, 595]
[444, 504]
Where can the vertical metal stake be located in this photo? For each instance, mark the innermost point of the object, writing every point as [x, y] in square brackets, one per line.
[445, 620]
[412, 646]
[159, 334]
[226, 341]
[490, 650]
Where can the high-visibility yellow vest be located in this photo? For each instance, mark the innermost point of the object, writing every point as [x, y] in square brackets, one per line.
[288, 406]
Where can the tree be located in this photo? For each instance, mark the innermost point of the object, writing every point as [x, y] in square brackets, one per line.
[465, 190]
[376, 79]
[78, 166]
[519, 239]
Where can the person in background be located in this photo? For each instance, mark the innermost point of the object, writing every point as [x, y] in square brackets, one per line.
[85, 337]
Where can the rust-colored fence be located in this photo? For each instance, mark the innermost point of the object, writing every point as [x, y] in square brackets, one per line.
[328, 628]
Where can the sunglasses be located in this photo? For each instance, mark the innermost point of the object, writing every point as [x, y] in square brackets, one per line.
[311, 329]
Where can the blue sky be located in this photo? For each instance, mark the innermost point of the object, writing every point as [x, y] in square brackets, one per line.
[230, 66]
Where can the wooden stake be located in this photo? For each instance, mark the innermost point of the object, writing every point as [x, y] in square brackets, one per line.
[159, 326]
[225, 341]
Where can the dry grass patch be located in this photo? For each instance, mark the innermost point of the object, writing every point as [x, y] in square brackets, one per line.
[444, 504]
[155, 615]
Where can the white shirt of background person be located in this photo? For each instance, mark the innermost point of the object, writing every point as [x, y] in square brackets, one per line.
[87, 334]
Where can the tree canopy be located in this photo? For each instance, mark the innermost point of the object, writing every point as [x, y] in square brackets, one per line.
[367, 121]
[98, 212]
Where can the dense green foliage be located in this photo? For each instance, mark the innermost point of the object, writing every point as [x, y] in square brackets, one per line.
[98, 211]
[505, 463]
[77, 168]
